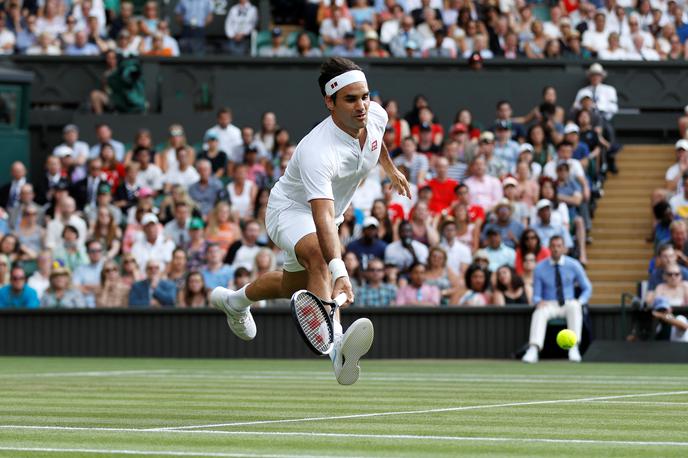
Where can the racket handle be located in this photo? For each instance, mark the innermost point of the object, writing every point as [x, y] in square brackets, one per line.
[340, 299]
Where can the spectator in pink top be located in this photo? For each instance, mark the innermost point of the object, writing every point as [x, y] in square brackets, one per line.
[417, 292]
[484, 190]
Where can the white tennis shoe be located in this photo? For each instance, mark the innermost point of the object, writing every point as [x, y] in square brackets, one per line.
[348, 350]
[240, 322]
[531, 356]
[574, 355]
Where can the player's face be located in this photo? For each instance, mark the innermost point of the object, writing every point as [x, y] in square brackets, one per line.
[350, 109]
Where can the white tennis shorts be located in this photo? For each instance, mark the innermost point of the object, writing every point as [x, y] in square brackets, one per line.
[287, 222]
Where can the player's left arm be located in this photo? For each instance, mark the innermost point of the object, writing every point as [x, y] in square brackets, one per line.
[399, 182]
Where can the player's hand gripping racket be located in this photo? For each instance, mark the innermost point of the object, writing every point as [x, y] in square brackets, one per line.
[314, 322]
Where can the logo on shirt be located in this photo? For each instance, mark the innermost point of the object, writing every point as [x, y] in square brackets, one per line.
[373, 146]
[333, 85]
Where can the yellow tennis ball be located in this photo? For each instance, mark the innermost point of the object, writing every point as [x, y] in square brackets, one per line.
[566, 339]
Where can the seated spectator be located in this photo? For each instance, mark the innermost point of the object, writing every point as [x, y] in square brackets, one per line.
[510, 288]
[498, 253]
[334, 28]
[508, 228]
[353, 268]
[304, 46]
[427, 131]
[543, 151]
[127, 193]
[565, 154]
[197, 245]
[157, 47]
[554, 296]
[496, 167]
[153, 291]
[222, 228]
[176, 270]
[560, 211]
[674, 174]
[277, 47]
[386, 228]
[216, 272]
[240, 22]
[69, 252]
[45, 46]
[85, 190]
[7, 38]
[466, 231]
[405, 251]
[150, 175]
[368, 245]
[679, 202]
[112, 291]
[372, 46]
[520, 210]
[666, 256]
[438, 273]
[613, 51]
[184, 174]
[50, 179]
[348, 47]
[193, 294]
[10, 193]
[87, 276]
[529, 243]
[207, 190]
[218, 159]
[154, 245]
[13, 249]
[506, 149]
[70, 137]
[664, 217]
[242, 192]
[242, 253]
[81, 46]
[104, 137]
[477, 281]
[177, 230]
[104, 201]
[673, 288]
[131, 272]
[678, 324]
[476, 213]
[442, 187]
[546, 228]
[18, 294]
[679, 237]
[457, 252]
[60, 293]
[484, 190]
[40, 279]
[416, 163]
[264, 262]
[242, 277]
[167, 43]
[375, 292]
[417, 291]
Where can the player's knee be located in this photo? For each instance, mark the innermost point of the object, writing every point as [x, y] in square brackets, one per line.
[315, 264]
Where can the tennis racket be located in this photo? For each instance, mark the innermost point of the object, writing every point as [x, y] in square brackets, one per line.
[313, 321]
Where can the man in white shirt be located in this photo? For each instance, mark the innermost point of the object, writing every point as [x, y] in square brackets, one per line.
[103, 136]
[405, 252]
[240, 22]
[154, 245]
[640, 50]
[185, 174]
[70, 137]
[228, 135]
[551, 27]
[68, 217]
[674, 174]
[458, 253]
[634, 28]
[7, 38]
[149, 175]
[308, 202]
[9, 193]
[595, 39]
[603, 95]
[614, 50]
[565, 154]
[333, 29]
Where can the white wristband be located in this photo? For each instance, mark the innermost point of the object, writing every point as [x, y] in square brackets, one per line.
[337, 269]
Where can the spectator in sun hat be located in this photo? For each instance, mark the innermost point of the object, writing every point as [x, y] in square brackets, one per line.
[60, 293]
[603, 95]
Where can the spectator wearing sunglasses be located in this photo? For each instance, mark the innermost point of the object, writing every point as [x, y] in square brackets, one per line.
[376, 292]
[18, 294]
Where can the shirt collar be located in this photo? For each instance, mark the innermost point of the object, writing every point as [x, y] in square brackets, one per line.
[560, 262]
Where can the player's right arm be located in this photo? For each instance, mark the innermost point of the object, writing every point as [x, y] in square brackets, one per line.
[328, 239]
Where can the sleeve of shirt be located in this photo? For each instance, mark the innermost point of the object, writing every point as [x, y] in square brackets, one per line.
[317, 170]
[230, 25]
[537, 285]
[378, 115]
[583, 282]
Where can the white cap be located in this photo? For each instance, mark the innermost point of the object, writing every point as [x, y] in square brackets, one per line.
[370, 221]
[542, 203]
[149, 218]
[525, 147]
[571, 128]
[509, 181]
[63, 151]
[682, 144]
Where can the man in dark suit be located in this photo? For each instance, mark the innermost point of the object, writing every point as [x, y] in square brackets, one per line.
[9, 193]
[85, 191]
[153, 291]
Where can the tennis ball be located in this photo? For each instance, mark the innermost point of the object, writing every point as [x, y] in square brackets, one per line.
[566, 339]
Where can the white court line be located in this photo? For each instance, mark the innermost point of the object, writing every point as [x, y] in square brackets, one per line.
[410, 437]
[424, 411]
[87, 373]
[646, 403]
[148, 452]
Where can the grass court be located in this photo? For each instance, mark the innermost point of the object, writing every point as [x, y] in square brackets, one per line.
[294, 408]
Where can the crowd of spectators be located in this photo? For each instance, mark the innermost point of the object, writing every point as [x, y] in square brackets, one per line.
[161, 224]
[462, 29]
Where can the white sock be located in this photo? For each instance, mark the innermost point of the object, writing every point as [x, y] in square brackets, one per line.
[338, 333]
[239, 299]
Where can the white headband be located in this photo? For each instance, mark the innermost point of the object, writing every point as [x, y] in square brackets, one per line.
[339, 81]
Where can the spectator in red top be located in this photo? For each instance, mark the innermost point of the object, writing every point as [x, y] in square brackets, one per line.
[425, 116]
[476, 213]
[529, 243]
[442, 187]
[465, 117]
[400, 126]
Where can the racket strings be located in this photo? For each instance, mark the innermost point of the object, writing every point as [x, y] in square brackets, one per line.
[313, 321]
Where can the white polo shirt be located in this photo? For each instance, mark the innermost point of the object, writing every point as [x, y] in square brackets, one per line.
[330, 164]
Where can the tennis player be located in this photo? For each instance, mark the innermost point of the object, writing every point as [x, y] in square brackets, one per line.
[306, 206]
